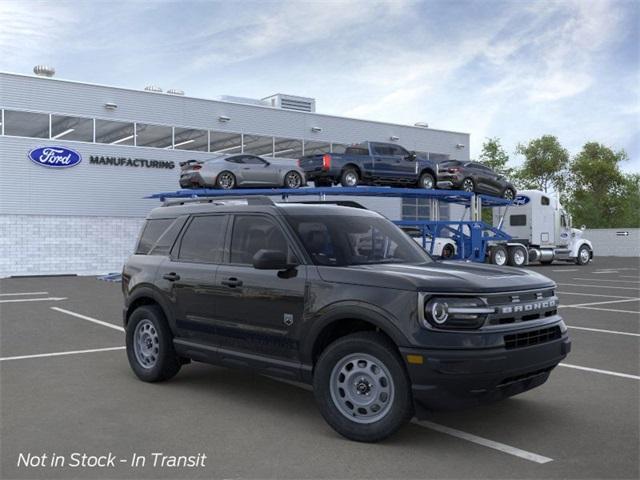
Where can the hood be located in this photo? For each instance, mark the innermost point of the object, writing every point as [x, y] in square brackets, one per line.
[441, 276]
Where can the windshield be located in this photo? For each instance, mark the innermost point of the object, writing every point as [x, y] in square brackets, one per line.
[343, 240]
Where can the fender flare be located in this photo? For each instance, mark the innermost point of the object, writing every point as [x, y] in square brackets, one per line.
[349, 310]
[148, 291]
[580, 243]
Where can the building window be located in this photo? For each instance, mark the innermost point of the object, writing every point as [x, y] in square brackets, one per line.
[315, 148]
[258, 145]
[71, 128]
[26, 124]
[287, 148]
[190, 139]
[114, 133]
[157, 136]
[225, 142]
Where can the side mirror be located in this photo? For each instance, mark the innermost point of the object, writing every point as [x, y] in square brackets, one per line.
[270, 260]
[412, 156]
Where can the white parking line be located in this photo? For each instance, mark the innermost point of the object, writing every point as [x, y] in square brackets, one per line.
[58, 354]
[597, 370]
[47, 299]
[533, 457]
[605, 280]
[591, 295]
[599, 330]
[516, 452]
[23, 293]
[604, 272]
[610, 310]
[567, 270]
[598, 286]
[88, 319]
[628, 276]
[599, 303]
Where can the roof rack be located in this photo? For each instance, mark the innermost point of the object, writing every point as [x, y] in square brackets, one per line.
[248, 200]
[341, 203]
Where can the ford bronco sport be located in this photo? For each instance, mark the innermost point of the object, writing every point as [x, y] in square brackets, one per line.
[339, 298]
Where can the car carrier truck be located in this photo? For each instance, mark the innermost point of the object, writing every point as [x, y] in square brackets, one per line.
[539, 228]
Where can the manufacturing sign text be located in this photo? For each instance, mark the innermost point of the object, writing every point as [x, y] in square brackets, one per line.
[130, 162]
[55, 157]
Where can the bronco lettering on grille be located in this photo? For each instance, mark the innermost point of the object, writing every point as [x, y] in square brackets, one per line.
[528, 307]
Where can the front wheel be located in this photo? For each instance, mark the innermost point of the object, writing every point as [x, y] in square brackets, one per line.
[509, 194]
[362, 388]
[150, 345]
[427, 181]
[584, 255]
[293, 180]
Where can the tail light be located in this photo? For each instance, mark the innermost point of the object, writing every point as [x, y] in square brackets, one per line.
[196, 167]
[326, 161]
[299, 162]
[454, 170]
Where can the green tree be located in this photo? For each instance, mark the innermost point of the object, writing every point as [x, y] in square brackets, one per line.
[494, 156]
[545, 164]
[600, 195]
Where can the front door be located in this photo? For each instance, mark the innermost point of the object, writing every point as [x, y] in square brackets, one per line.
[257, 171]
[259, 311]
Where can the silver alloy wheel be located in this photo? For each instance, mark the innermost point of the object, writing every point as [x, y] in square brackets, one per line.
[508, 194]
[467, 185]
[146, 345]
[518, 257]
[500, 258]
[584, 255]
[351, 179]
[427, 182]
[362, 388]
[293, 180]
[226, 181]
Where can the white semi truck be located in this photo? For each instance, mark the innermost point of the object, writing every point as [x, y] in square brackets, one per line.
[541, 231]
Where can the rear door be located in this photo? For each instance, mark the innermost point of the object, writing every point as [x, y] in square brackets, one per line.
[259, 311]
[189, 275]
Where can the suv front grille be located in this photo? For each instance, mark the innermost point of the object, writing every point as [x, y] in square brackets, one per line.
[533, 337]
[514, 307]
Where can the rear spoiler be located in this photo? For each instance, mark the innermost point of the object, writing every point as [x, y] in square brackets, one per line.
[188, 162]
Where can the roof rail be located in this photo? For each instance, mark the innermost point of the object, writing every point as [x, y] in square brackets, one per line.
[249, 200]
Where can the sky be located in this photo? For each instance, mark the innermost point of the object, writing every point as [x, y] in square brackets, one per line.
[509, 69]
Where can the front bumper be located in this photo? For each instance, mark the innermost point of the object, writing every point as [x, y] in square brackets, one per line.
[450, 379]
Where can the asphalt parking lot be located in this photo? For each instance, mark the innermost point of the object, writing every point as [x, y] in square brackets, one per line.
[65, 386]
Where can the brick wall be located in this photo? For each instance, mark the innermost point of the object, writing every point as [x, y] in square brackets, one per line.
[42, 245]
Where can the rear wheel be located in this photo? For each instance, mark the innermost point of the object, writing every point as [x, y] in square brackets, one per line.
[468, 185]
[150, 345]
[293, 179]
[427, 181]
[226, 180]
[509, 194]
[349, 178]
[584, 255]
[517, 256]
[362, 388]
[499, 255]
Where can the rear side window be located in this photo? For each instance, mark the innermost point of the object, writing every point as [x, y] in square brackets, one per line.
[518, 220]
[356, 151]
[168, 238]
[152, 231]
[203, 240]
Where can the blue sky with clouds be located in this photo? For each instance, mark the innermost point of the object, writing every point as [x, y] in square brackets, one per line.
[512, 69]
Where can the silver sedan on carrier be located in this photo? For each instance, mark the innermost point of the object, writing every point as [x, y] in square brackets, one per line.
[241, 170]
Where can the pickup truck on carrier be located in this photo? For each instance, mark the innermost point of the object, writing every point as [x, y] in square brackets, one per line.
[371, 163]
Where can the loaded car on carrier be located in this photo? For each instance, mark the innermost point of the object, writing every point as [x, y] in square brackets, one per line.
[337, 297]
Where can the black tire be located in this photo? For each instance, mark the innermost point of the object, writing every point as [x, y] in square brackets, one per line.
[167, 362]
[293, 180]
[468, 185]
[516, 260]
[226, 180]
[508, 194]
[427, 181]
[448, 251]
[499, 255]
[349, 177]
[584, 255]
[380, 349]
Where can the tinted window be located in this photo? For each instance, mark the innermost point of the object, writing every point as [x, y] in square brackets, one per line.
[26, 124]
[399, 151]
[168, 237]
[71, 128]
[253, 160]
[204, 239]
[518, 220]
[152, 231]
[544, 200]
[113, 132]
[252, 233]
[340, 240]
[235, 159]
[356, 151]
[383, 150]
[157, 136]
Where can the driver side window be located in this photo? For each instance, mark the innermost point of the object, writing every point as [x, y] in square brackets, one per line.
[252, 233]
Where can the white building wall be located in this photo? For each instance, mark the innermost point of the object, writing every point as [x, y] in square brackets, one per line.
[613, 241]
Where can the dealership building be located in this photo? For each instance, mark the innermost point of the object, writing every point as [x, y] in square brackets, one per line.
[84, 219]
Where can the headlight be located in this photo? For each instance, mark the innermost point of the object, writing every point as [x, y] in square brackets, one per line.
[452, 312]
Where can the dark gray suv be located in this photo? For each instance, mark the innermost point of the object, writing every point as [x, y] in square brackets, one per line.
[337, 297]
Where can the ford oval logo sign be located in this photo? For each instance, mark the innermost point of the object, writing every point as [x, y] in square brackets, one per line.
[55, 157]
[521, 200]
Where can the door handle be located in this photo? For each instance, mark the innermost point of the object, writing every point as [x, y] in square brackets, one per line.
[172, 277]
[232, 282]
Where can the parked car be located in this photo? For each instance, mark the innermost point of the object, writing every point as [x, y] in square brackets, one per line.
[339, 298]
[443, 247]
[241, 170]
[370, 163]
[474, 177]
